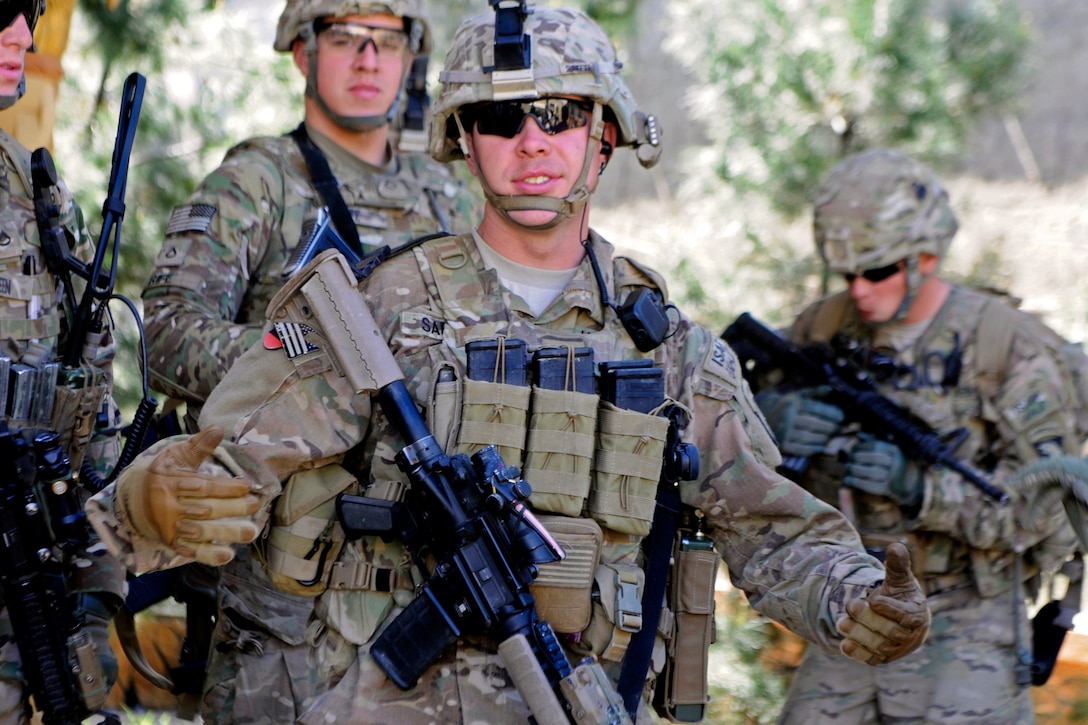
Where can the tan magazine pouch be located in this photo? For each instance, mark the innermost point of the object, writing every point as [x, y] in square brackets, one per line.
[559, 457]
[627, 468]
[304, 537]
[494, 414]
[562, 589]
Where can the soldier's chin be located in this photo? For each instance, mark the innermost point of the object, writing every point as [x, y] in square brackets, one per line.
[533, 217]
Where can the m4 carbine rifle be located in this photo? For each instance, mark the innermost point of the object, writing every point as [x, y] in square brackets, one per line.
[855, 395]
[464, 520]
[41, 523]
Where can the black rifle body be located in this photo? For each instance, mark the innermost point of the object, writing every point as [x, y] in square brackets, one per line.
[875, 413]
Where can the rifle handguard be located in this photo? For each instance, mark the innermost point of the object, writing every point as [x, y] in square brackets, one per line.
[325, 291]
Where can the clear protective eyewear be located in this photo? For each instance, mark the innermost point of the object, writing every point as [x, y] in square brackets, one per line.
[352, 38]
[553, 115]
[10, 10]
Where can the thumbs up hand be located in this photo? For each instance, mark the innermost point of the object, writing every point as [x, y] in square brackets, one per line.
[891, 620]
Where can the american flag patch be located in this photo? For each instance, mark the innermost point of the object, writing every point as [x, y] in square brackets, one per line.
[293, 337]
[191, 218]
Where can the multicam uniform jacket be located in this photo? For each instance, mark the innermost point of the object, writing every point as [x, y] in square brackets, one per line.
[225, 248]
[797, 558]
[33, 325]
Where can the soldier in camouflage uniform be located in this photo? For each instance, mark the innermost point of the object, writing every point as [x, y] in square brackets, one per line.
[883, 221]
[226, 248]
[33, 328]
[525, 274]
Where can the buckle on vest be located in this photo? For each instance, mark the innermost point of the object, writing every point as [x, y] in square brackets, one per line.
[628, 605]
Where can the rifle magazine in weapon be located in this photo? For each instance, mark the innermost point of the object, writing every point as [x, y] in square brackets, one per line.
[415, 639]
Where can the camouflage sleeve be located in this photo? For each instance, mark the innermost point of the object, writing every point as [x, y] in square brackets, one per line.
[797, 559]
[212, 245]
[1033, 419]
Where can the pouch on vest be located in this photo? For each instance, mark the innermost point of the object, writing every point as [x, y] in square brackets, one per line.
[681, 694]
[444, 406]
[495, 403]
[618, 614]
[627, 468]
[563, 589]
[78, 399]
[559, 452]
[304, 537]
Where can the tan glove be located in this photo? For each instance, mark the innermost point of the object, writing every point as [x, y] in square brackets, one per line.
[196, 514]
[891, 620]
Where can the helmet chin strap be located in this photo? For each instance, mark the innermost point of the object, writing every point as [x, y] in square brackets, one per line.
[350, 123]
[915, 278]
[9, 100]
[564, 208]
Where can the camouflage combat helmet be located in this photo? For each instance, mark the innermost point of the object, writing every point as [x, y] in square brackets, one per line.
[297, 22]
[880, 207]
[570, 55]
[297, 19]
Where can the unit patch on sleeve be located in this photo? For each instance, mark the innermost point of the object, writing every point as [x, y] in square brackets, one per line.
[721, 363]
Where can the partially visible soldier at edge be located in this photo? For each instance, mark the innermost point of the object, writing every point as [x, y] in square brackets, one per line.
[533, 270]
[34, 321]
[225, 248]
[964, 360]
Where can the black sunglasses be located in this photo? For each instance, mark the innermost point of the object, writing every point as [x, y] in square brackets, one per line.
[506, 118]
[10, 10]
[877, 274]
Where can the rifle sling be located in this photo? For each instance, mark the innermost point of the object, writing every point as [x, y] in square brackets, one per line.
[636, 661]
[328, 187]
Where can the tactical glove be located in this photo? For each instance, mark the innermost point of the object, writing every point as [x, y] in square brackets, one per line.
[880, 468]
[892, 620]
[802, 423]
[196, 514]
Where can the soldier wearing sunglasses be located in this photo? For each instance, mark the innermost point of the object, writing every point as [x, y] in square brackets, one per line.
[34, 320]
[883, 222]
[537, 135]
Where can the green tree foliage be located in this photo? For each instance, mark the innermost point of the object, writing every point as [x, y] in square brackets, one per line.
[789, 87]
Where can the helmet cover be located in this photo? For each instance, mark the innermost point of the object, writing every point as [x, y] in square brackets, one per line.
[571, 56]
[879, 207]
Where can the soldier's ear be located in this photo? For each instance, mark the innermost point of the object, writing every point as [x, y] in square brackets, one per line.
[298, 53]
[469, 150]
[606, 155]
